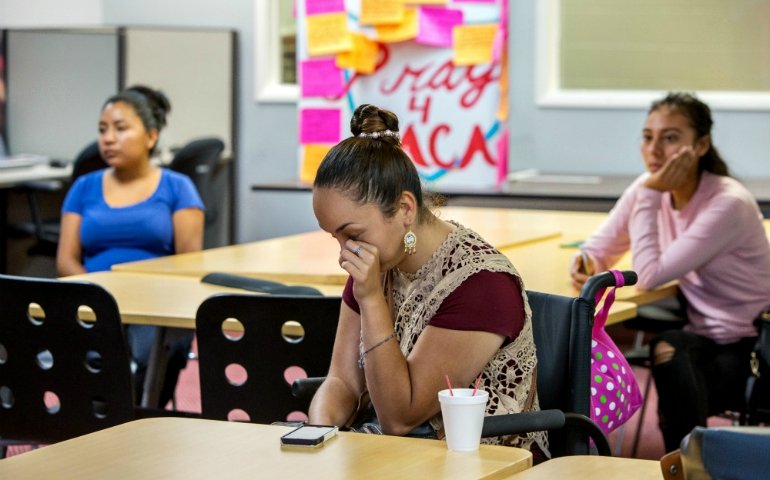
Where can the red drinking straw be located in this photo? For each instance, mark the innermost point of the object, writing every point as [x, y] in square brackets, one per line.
[477, 386]
[449, 385]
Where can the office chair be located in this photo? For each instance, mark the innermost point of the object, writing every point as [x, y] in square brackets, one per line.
[199, 160]
[265, 351]
[561, 328]
[60, 376]
[47, 231]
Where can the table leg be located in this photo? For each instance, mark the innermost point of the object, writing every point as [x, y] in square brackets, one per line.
[156, 370]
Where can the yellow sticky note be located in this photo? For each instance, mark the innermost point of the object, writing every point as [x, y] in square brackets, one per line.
[424, 2]
[312, 155]
[381, 12]
[473, 43]
[399, 32]
[363, 57]
[327, 34]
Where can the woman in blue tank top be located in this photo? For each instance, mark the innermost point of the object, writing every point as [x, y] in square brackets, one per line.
[132, 210]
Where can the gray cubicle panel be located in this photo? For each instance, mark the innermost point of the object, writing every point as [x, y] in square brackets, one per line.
[194, 68]
[57, 83]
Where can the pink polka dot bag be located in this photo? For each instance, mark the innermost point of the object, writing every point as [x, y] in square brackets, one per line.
[615, 395]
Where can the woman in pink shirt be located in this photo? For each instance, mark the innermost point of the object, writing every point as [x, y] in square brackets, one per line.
[688, 220]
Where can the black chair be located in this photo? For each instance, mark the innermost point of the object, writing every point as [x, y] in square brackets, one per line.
[47, 231]
[265, 350]
[562, 332]
[80, 366]
[199, 160]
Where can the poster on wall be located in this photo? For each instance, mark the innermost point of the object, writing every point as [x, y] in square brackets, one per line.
[441, 66]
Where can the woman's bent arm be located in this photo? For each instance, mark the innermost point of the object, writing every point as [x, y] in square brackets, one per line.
[337, 398]
[188, 230]
[69, 255]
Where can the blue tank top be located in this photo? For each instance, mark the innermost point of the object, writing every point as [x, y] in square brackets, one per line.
[144, 230]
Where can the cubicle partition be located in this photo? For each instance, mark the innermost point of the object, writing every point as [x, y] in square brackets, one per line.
[57, 81]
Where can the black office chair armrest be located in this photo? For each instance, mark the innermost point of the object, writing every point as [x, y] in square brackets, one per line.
[593, 430]
[605, 280]
[306, 387]
[499, 425]
[259, 285]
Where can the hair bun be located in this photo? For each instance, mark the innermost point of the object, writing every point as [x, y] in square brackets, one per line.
[369, 119]
[158, 102]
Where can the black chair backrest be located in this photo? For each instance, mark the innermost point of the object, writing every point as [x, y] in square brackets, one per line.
[562, 331]
[198, 160]
[263, 351]
[84, 363]
[561, 327]
[87, 161]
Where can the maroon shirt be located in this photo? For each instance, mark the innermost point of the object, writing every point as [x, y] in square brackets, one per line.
[486, 301]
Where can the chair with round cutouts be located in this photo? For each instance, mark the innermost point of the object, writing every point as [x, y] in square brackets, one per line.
[252, 347]
[64, 363]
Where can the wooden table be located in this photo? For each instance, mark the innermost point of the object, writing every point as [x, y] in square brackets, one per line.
[313, 257]
[163, 300]
[544, 268]
[593, 468]
[163, 448]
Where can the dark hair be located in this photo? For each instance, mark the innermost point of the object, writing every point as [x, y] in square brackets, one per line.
[699, 115]
[150, 105]
[372, 169]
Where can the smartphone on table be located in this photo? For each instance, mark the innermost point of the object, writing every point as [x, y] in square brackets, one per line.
[309, 436]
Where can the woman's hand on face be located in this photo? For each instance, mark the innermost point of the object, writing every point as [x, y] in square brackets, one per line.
[675, 173]
[579, 272]
[364, 267]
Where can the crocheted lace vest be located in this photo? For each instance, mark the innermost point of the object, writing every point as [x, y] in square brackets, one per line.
[508, 375]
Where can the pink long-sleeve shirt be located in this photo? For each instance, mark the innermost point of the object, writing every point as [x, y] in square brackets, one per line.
[715, 247]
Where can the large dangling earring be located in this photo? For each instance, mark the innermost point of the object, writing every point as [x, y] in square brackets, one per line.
[410, 243]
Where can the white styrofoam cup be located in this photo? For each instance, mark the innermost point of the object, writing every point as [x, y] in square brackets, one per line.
[463, 417]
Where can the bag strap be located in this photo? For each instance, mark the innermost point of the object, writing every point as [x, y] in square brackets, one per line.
[601, 316]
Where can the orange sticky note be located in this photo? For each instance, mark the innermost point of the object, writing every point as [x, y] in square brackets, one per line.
[381, 12]
[363, 57]
[425, 2]
[502, 111]
[473, 43]
[328, 34]
[312, 156]
[399, 32]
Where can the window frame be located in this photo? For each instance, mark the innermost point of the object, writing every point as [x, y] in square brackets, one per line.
[549, 94]
[268, 87]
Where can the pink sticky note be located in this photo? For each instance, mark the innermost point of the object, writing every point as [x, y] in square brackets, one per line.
[316, 7]
[321, 78]
[476, 1]
[502, 157]
[435, 26]
[319, 125]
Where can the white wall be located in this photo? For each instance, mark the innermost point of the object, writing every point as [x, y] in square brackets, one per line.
[49, 13]
[604, 141]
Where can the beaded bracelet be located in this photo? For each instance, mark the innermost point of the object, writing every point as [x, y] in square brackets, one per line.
[361, 355]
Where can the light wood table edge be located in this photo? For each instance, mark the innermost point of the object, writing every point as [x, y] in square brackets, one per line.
[552, 469]
[529, 242]
[298, 279]
[643, 297]
[621, 311]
